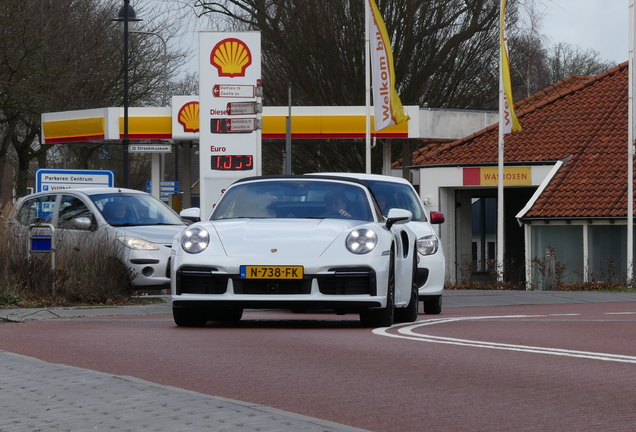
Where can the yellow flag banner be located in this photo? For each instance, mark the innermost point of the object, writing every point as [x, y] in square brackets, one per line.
[388, 109]
[511, 124]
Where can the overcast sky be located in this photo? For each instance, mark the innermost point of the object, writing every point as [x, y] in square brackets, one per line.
[602, 25]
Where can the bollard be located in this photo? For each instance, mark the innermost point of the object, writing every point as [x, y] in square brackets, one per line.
[43, 242]
[550, 270]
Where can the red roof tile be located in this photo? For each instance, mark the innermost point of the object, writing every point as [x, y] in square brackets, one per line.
[584, 118]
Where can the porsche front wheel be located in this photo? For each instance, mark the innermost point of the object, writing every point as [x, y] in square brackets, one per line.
[409, 313]
[226, 314]
[189, 317]
[383, 317]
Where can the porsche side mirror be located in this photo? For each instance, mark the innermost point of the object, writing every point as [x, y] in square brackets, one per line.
[192, 214]
[398, 216]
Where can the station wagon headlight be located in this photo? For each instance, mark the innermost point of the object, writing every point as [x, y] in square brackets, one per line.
[362, 240]
[195, 239]
[137, 243]
[427, 245]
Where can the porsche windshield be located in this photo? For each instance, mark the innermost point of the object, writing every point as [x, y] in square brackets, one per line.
[294, 199]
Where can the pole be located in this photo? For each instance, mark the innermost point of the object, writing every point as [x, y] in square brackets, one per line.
[367, 87]
[126, 141]
[288, 144]
[500, 174]
[187, 174]
[630, 153]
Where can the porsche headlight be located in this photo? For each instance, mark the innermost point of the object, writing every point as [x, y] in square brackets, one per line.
[362, 240]
[137, 243]
[195, 239]
[427, 245]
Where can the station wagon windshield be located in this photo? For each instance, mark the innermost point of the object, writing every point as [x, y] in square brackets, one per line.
[121, 209]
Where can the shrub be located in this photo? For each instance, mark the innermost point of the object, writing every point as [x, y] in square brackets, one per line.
[608, 279]
[86, 272]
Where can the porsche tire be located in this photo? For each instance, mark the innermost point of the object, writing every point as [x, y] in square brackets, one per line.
[383, 317]
[226, 314]
[409, 313]
[189, 317]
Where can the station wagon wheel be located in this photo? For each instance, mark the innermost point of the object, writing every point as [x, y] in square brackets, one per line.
[383, 317]
[189, 317]
[409, 313]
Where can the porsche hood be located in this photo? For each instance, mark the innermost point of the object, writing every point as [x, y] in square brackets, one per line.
[288, 237]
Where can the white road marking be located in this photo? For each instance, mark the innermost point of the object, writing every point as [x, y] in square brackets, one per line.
[407, 331]
[620, 313]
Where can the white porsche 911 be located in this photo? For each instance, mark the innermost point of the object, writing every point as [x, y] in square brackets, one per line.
[298, 243]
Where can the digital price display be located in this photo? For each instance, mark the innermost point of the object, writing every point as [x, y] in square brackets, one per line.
[239, 125]
[233, 162]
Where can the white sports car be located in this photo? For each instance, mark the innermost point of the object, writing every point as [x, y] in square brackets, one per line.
[298, 243]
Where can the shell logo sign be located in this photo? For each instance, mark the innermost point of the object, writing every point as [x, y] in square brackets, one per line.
[231, 57]
[229, 75]
[188, 117]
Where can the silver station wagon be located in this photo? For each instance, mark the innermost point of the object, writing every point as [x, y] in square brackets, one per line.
[144, 225]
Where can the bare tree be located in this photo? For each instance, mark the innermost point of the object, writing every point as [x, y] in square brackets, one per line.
[565, 60]
[58, 55]
[535, 64]
[528, 54]
[187, 85]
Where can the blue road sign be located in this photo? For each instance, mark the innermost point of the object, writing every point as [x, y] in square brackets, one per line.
[58, 179]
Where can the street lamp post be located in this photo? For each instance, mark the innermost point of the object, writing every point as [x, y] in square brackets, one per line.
[164, 96]
[126, 16]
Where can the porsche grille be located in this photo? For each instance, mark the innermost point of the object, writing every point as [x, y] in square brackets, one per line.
[347, 281]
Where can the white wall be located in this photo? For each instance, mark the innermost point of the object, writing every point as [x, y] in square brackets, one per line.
[453, 124]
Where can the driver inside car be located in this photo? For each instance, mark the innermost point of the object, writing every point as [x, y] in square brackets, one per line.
[117, 214]
[336, 202]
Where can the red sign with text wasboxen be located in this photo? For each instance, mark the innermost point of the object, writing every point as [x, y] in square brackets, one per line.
[489, 176]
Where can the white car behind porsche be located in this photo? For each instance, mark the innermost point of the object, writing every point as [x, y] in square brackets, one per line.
[395, 192]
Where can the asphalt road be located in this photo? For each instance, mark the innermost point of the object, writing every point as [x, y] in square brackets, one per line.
[536, 362]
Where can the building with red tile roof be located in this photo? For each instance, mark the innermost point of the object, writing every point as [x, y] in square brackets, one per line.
[565, 188]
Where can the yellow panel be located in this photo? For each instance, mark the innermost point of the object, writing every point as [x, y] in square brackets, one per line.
[328, 125]
[147, 125]
[343, 124]
[73, 128]
[275, 124]
[306, 124]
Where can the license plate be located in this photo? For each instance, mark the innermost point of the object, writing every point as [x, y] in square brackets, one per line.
[271, 272]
